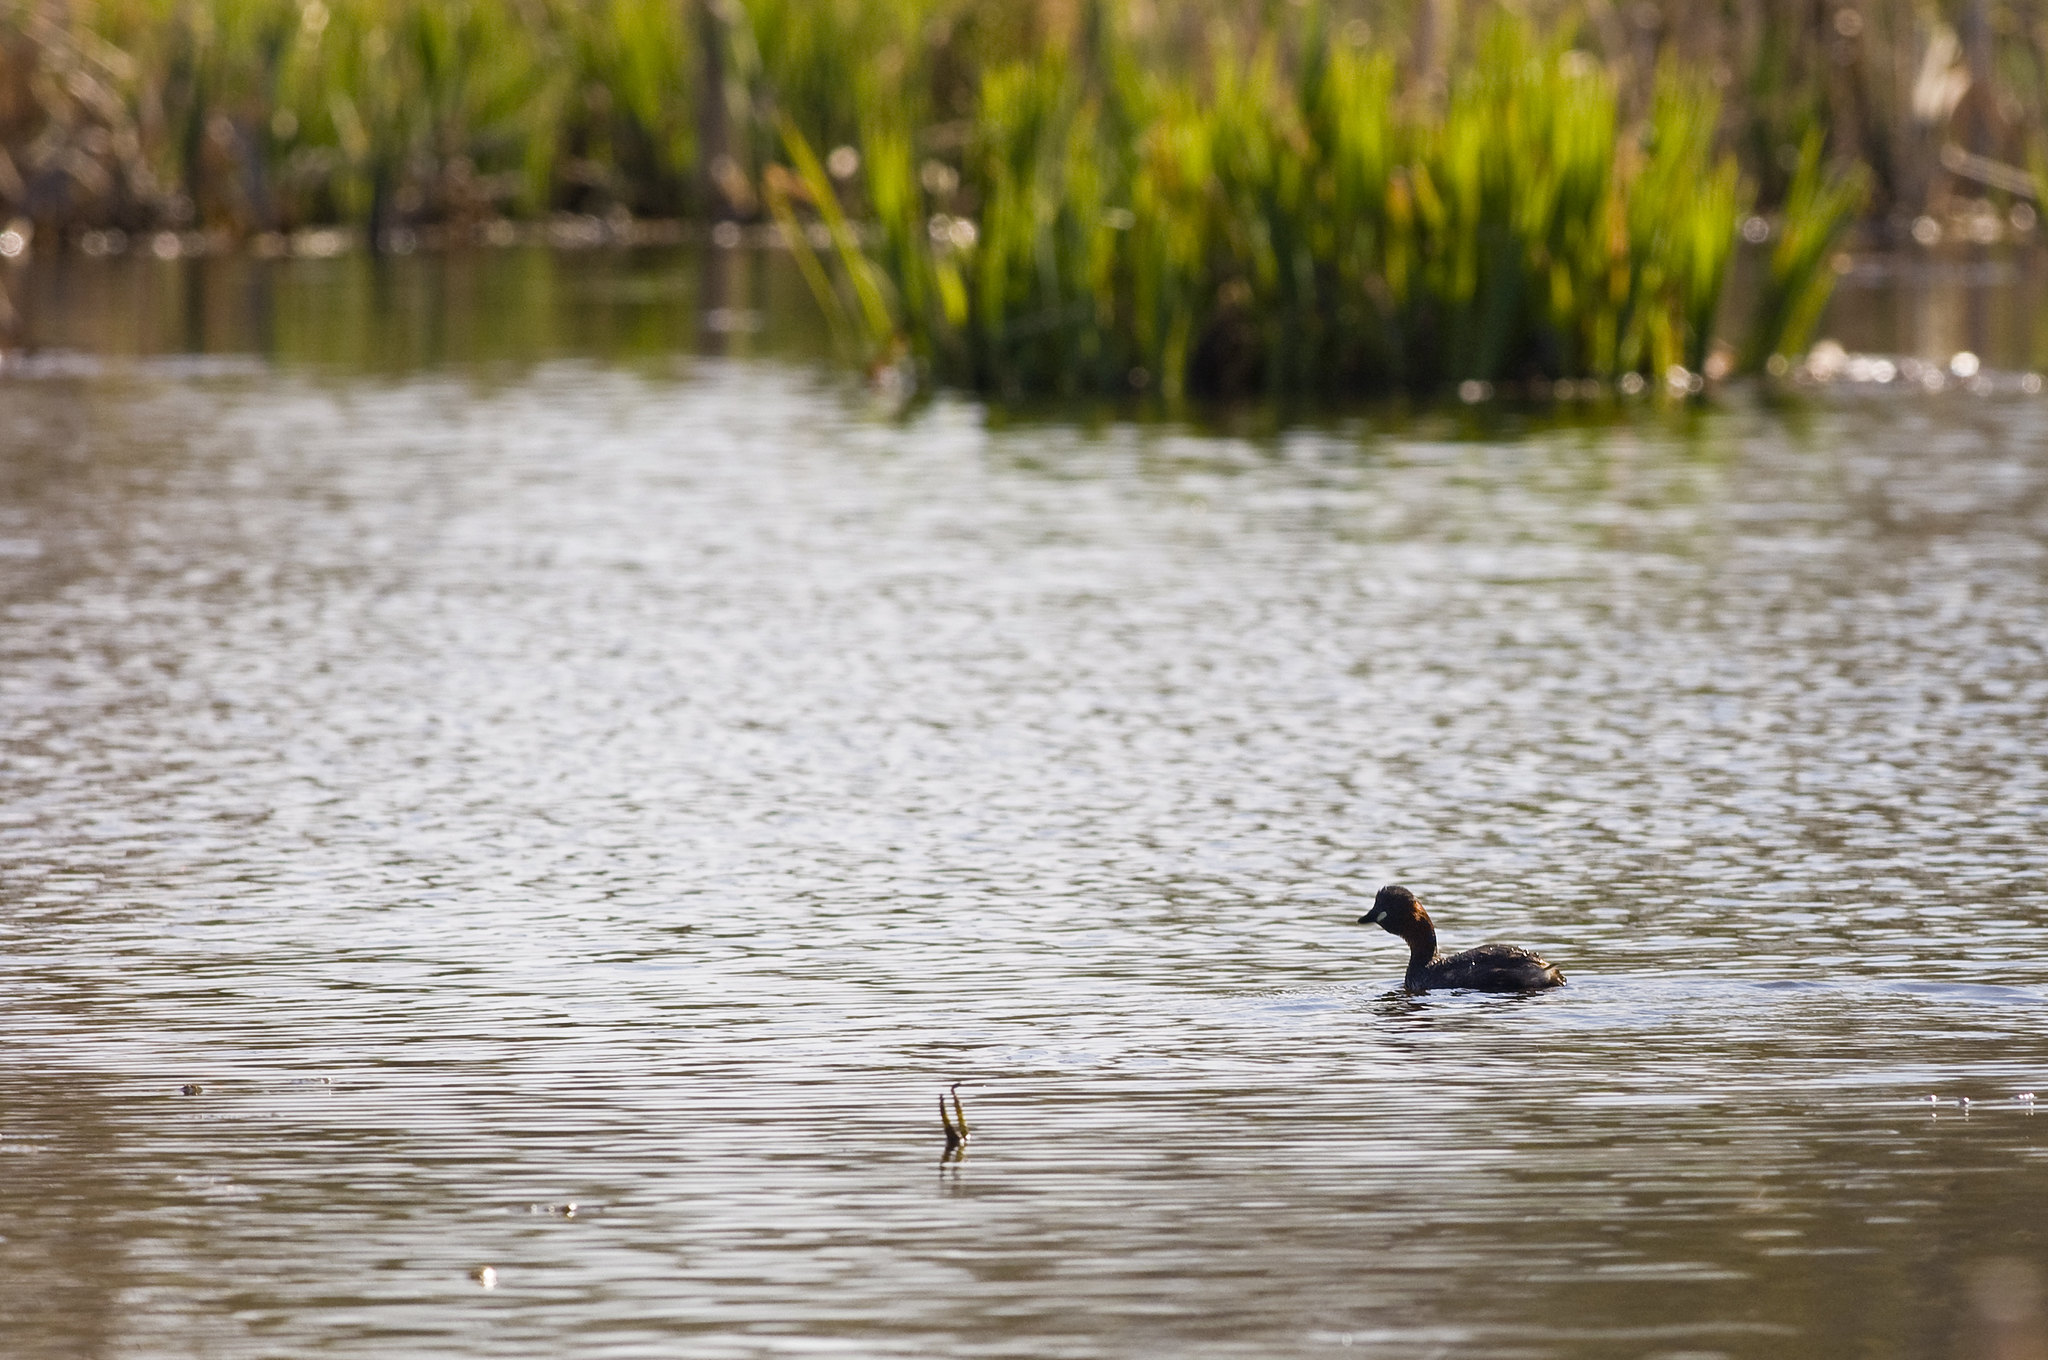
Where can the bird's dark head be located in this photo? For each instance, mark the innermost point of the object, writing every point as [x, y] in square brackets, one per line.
[1394, 910]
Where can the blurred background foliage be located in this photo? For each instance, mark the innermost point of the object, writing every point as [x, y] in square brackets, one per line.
[249, 115]
[1087, 194]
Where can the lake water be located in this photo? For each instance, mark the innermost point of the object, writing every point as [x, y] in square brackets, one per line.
[504, 755]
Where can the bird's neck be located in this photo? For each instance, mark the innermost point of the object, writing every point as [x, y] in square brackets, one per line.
[1421, 937]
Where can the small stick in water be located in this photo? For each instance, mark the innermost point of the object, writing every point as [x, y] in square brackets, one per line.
[956, 1136]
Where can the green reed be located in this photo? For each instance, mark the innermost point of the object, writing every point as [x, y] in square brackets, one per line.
[1820, 204]
[260, 114]
[1292, 224]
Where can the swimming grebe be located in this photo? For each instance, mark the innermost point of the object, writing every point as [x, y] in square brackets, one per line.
[1489, 968]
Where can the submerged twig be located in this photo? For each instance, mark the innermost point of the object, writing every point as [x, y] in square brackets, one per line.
[956, 1132]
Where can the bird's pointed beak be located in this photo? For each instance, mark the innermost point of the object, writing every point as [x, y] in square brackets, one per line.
[1371, 918]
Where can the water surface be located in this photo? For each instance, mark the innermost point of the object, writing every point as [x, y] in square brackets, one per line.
[611, 776]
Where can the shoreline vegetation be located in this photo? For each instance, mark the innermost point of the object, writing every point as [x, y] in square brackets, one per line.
[1066, 197]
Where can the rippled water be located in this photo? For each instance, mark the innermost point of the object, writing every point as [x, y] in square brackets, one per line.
[644, 785]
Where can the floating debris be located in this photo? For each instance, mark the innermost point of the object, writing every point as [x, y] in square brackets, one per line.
[191, 1088]
[487, 1276]
[2023, 1100]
